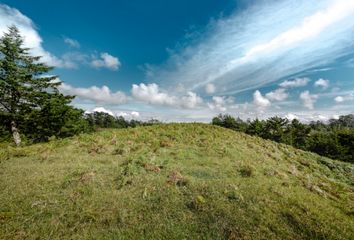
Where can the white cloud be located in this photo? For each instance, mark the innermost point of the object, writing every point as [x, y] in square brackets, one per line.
[277, 95]
[106, 61]
[11, 16]
[220, 104]
[72, 42]
[322, 118]
[308, 99]
[129, 115]
[335, 116]
[126, 115]
[322, 83]
[210, 88]
[72, 60]
[135, 114]
[291, 116]
[339, 99]
[259, 100]
[298, 82]
[32, 40]
[95, 94]
[191, 100]
[151, 94]
[346, 98]
[103, 110]
[298, 39]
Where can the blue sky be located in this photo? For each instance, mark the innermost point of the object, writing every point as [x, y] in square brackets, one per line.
[191, 60]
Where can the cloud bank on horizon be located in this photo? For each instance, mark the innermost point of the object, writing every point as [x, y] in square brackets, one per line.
[267, 42]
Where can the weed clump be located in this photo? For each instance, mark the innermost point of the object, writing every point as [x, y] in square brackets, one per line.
[246, 171]
[152, 168]
[198, 203]
[96, 148]
[176, 178]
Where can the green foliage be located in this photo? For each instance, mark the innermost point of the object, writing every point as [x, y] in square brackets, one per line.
[275, 129]
[334, 140]
[228, 121]
[105, 120]
[324, 143]
[256, 128]
[29, 98]
[4, 134]
[346, 121]
[297, 134]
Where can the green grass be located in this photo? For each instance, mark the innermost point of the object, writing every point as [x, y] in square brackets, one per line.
[176, 181]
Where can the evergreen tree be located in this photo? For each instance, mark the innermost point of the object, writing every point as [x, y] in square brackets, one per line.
[227, 121]
[256, 128]
[30, 101]
[296, 134]
[275, 128]
[346, 121]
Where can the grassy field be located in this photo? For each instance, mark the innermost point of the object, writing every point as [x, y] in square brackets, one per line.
[177, 181]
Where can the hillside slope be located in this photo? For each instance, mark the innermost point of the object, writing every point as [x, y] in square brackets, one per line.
[177, 181]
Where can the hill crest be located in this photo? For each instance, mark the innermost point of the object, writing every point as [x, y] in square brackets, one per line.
[173, 181]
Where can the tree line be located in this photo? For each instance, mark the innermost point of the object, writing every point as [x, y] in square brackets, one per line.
[334, 139]
[97, 120]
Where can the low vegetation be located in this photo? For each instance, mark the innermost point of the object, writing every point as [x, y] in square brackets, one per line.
[174, 181]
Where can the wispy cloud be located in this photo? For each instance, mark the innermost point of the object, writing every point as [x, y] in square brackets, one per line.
[298, 82]
[72, 42]
[265, 43]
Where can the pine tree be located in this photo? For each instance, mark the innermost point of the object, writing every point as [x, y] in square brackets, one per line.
[28, 95]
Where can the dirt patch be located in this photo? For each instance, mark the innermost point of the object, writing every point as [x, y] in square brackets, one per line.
[176, 178]
[152, 168]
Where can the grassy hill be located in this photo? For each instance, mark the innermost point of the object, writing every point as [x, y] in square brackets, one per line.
[177, 181]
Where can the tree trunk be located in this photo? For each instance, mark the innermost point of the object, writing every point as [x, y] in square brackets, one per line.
[15, 134]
